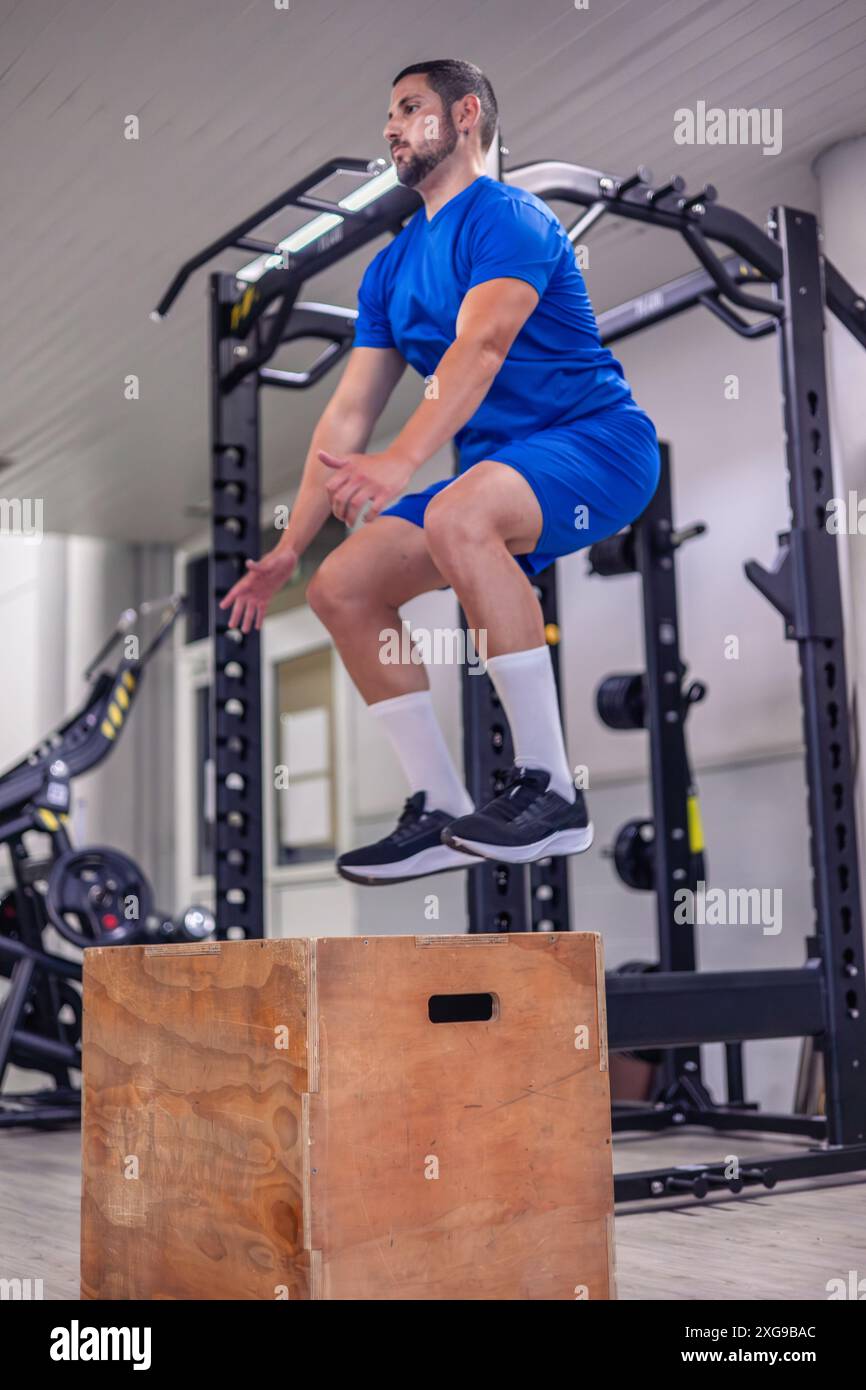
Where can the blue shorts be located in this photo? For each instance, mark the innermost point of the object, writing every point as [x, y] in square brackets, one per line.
[591, 477]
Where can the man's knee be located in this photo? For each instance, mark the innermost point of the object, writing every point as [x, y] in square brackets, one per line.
[332, 588]
[347, 584]
[450, 525]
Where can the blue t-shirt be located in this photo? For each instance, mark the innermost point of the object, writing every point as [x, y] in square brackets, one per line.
[556, 371]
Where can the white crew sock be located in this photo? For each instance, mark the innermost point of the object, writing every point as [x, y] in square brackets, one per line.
[411, 724]
[526, 687]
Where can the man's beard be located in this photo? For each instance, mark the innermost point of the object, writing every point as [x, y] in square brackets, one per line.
[417, 166]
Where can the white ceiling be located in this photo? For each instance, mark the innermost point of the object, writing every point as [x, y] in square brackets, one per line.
[236, 101]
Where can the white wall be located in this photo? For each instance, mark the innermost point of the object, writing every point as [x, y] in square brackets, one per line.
[34, 638]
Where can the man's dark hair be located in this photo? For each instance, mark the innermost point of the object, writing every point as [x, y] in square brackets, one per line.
[452, 79]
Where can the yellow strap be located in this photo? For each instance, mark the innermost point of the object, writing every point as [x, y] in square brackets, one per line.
[241, 310]
[696, 829]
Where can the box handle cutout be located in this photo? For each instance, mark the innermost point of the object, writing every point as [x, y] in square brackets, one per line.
[462, 1008]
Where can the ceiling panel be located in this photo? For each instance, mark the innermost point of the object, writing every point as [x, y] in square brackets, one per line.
[236, 101]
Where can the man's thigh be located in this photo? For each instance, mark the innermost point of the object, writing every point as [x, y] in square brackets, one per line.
[494, 495]
[387, 560]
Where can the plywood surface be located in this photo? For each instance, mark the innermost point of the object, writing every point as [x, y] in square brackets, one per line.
[466, 1160]
[192, 1128]
[284, 1119]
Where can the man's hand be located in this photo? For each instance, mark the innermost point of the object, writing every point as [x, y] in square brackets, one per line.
[362, 478]
[249, 598]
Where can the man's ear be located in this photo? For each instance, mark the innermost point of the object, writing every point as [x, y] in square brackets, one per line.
[470, 113]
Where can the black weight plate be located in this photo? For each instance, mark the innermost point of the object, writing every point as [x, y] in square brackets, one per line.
[98, 897]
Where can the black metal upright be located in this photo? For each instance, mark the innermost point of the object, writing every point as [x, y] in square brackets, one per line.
[664, 715]
[804, 585]
[655, 700]
[248, 324]
[496, 894]
[548, 878]
[236, 699]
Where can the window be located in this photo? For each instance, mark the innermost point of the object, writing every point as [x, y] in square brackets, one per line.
[197, 590]
[205, 803]
[304, 783]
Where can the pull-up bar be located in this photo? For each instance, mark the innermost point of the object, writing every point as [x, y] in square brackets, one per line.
[700, 220]
[379, 204]
[361, 215]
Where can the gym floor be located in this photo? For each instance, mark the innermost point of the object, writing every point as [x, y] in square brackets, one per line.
[765, 1247]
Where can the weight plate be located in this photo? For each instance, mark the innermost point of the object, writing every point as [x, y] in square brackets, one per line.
[98, 897]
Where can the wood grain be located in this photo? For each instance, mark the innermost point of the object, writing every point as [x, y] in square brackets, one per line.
[182, 1075]
[381, 1156]
[511, 1115]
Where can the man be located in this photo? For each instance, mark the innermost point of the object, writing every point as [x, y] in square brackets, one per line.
[481, 294]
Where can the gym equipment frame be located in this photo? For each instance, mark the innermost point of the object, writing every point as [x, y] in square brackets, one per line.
[656, 700]
[41, 1015]
[256, 310]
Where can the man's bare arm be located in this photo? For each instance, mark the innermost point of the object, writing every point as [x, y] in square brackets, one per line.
[345, 425]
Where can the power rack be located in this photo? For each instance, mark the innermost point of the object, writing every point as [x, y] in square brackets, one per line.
[778, 275]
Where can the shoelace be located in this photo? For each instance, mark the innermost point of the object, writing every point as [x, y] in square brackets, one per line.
[518, 793]
[408, 820]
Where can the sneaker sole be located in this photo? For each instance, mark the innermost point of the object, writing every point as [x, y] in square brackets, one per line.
[560, 843]
[441, 859]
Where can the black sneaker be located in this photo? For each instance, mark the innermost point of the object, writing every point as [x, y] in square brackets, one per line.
[524, 822]
[414, 850]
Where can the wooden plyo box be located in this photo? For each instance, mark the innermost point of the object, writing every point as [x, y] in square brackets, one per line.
[283, 1119]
